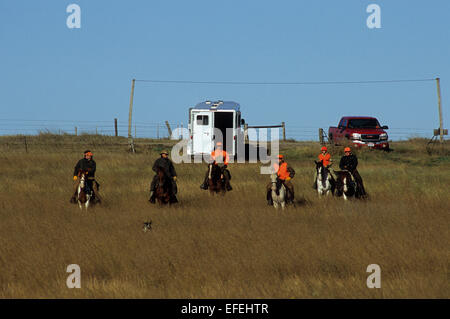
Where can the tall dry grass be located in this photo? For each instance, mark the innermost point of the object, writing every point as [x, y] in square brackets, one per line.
[222, 247]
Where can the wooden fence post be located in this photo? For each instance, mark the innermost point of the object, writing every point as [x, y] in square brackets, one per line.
[130, 113]
[284, 130]
[441, 126]
[26, 145]
[116, 133]
[169, 129]
[76, 131]
[321, 135]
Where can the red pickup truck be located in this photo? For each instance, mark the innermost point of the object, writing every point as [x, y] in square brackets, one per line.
[359, 130]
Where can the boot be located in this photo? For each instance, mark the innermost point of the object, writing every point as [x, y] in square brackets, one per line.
[97, 197]
[173, 199]
[152, 197]
[205, 184]
[73, 199]
[269, 198]
[228, 186]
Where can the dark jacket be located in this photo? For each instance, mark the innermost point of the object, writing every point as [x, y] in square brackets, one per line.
[349, 162]
[86, 165]
[166, 165]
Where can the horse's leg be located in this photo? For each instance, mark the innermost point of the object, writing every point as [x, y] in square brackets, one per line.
[275, 199]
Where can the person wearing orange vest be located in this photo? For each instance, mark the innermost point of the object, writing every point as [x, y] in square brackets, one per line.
[285, 174]
[326, 160]
[219, 156]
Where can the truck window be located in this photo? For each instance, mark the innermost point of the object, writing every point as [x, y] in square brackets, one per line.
[364, 123]
[202, 119]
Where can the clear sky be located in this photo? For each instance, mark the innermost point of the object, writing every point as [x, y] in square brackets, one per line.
[51, 72]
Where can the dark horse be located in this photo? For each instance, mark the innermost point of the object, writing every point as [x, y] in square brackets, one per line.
[215, 179]
[163, 192]
[345, 186]
[85, 195]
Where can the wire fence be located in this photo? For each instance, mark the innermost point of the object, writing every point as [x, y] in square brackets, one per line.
[159, 130]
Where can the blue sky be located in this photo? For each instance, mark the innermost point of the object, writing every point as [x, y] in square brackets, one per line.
[51, 72]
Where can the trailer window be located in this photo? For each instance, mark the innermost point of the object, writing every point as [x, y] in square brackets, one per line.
[202, 119]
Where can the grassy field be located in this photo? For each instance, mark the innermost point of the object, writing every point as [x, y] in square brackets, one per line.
[220, 247]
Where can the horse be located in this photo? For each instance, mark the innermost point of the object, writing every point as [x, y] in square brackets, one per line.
[84, 192]
[215, 179]
[163, 189]
[278, 191]
[325, 181]
[344, 185]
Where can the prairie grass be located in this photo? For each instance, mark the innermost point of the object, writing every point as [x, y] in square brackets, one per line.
[220, 247]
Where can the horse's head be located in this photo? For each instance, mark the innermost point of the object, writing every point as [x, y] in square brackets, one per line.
[273, 180]
[319, 166]
[322, 171]
[344, 183]
[82, 177]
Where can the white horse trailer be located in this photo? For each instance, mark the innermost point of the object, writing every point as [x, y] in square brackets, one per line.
[207, 116]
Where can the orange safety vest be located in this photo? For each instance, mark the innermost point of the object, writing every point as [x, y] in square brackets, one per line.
[282, 171]
[326, 159]
[219, 156]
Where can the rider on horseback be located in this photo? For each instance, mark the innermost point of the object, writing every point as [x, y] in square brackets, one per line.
[166, 165]
[88, 165]
[285, 174]
[219, 156]
[326, 160]
[349, 162]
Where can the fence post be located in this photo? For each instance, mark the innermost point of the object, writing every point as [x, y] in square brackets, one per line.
[76, 131]
[246, 133]
[130, 113]
[441, 127]
[321, 135]
[26, 145]
[169, 129]
[284, 130]
[116, 133]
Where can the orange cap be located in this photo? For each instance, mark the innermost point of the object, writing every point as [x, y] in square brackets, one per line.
[347, 149]
[324, 148]
[89, 154]
[280, 156]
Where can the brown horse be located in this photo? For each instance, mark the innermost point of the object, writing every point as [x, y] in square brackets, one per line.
[344, 185]
[215, 180]
[163, 188]
[84, 191]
